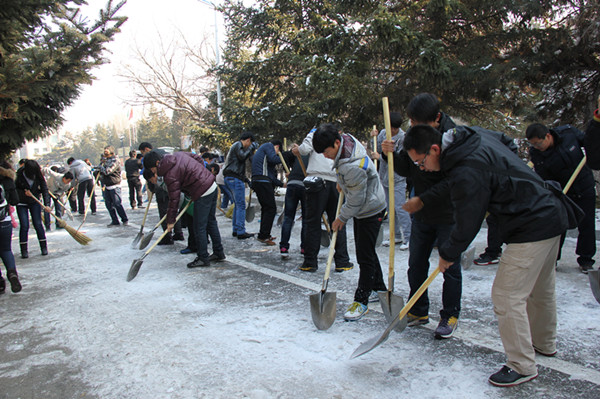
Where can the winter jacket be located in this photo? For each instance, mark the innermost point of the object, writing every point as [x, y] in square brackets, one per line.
[318, 165]
[526, 211]
[184, 172]
[132, 168]
[38, 188]
[296, 176]
[357, 176]
[81, 171]
[54, 180]
[592, 142]
[235, 163]
[560, 161]
[383, 167]
[263, 165]
[110, 171]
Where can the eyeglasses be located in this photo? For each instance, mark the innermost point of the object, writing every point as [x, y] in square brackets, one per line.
[538, 144]
[421, 163]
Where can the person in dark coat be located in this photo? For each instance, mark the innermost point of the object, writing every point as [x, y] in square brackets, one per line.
[294, 194]
[184, 172]
[30, 183]
[484, 175]
[264, 180]
[8, 197]
[555, 154]
[132, 172]
[110, 171]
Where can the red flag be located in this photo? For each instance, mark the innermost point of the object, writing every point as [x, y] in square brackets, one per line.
[131, 114]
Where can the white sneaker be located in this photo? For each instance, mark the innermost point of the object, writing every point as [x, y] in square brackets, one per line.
[403, 246]
[373, 297]
[355, 311]
[397, 240]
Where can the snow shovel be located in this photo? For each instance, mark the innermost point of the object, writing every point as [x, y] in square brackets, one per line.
[137, 263]
[146, 239]
[322, 304]
[250, 211]
[68, 212]
[391, 303]
[376, 341]
[325, 234]
[594, 276]
[140, 235]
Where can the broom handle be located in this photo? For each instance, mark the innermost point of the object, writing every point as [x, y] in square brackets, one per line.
[59, 202]
[575, 174]
[147, 209]
[166, 231]
[301, 162]
[44, 206]
[391, 197]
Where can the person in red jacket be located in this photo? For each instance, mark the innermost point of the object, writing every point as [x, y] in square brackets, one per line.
[184, 172]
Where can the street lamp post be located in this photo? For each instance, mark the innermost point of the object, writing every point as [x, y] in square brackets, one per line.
[218, 55]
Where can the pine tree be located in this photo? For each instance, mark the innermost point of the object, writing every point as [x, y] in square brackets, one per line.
[47, 52]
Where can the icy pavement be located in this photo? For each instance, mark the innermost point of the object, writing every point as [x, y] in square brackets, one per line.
[242, 328]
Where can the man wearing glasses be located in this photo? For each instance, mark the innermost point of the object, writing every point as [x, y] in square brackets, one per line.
[555, 154]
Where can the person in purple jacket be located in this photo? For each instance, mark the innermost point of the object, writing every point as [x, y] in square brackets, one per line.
[184, 172]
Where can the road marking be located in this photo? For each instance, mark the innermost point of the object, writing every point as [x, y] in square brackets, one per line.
[574, 370]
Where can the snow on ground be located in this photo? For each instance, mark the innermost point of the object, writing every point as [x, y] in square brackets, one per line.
[243, 328]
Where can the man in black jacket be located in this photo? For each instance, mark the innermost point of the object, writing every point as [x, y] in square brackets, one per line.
[132, 172]
[555, 154]
[484, 175]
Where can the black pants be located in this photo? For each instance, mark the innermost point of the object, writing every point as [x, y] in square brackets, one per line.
[162, 200]
[586, 240]
[365, 238]
[324, 200]
[135, 190]
[494, 242]
[86, 187]
[265, 193]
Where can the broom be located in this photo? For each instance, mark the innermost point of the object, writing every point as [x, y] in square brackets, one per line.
[79, 237]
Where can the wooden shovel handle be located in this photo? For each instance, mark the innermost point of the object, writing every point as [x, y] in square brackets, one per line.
[166, 231]
[333, 240]
[287, 170]
[147, 208]
[391, 196]
[575, 174]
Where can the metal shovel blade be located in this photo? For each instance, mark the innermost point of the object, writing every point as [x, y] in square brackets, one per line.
[594, 276]
[250, 211]
[379, 239]
[137, 240]
[322, 308]
[325, 238]
[391, 305]
[467, 258]
[280, 220]
[134, 269]
[146, 240]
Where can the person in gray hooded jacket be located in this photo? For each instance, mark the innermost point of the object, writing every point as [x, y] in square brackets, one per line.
[365, 203]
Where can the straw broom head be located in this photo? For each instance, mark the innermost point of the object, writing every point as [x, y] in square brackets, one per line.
[78, 236]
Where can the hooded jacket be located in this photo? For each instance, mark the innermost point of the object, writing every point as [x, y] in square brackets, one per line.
[526, 211]
[184, 172]
[318, 165]
[357, 176]
[81, 171]
[560, 161]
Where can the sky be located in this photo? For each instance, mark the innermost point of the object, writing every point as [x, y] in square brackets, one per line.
[102, 101]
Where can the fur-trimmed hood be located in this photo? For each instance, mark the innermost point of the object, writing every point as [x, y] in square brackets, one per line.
[11, 174]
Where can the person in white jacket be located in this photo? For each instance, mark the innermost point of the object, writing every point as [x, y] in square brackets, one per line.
[321, 196]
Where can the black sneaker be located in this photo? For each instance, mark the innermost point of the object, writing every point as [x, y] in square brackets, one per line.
[508, 377]
[198, 262]
[585, 268]
[486, 259]
[234, 234]
[545, 353]
[285, 253]
[216, 258]
[178, 237]
[167, 240]
[113, 224]
[244, 236]
[344, 268]
[2, 285]
[446, 328]
[15, 284]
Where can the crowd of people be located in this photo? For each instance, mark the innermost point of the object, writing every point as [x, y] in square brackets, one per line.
[447, 180]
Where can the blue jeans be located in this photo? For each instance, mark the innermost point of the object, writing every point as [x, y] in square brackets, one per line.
[23, 212]
[294, 194]
[112, 200]
[236, 186]
[226, 196]
[205, 223]
[422, 238]
[5, 246]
